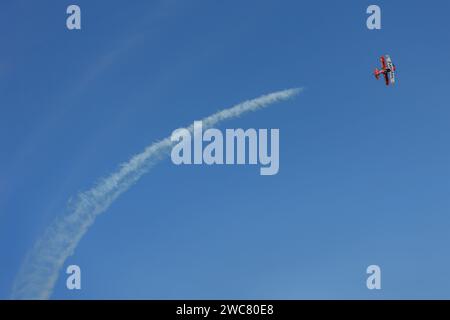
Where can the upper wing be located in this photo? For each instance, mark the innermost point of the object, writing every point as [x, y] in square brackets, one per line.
[389, 63]
[391, 68]
[392, 76]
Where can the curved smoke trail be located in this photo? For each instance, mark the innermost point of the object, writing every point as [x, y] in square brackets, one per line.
[40, 269]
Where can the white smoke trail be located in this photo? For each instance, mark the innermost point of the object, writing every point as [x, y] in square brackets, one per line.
[41, 267]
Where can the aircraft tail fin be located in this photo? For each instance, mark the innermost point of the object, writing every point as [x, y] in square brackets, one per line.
[377, 73]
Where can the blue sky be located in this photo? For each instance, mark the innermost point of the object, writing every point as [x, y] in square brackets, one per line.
[364, 169]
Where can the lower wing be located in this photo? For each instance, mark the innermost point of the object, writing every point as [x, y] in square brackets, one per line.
[386, 78]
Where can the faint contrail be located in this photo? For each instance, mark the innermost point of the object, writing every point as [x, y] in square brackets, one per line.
[40, 269]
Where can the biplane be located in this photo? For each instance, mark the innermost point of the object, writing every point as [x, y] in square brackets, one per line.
[387, 70]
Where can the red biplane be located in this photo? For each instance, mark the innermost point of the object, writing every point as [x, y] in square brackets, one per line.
[387, 70]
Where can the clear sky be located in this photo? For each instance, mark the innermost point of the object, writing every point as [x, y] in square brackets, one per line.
[364, 169]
